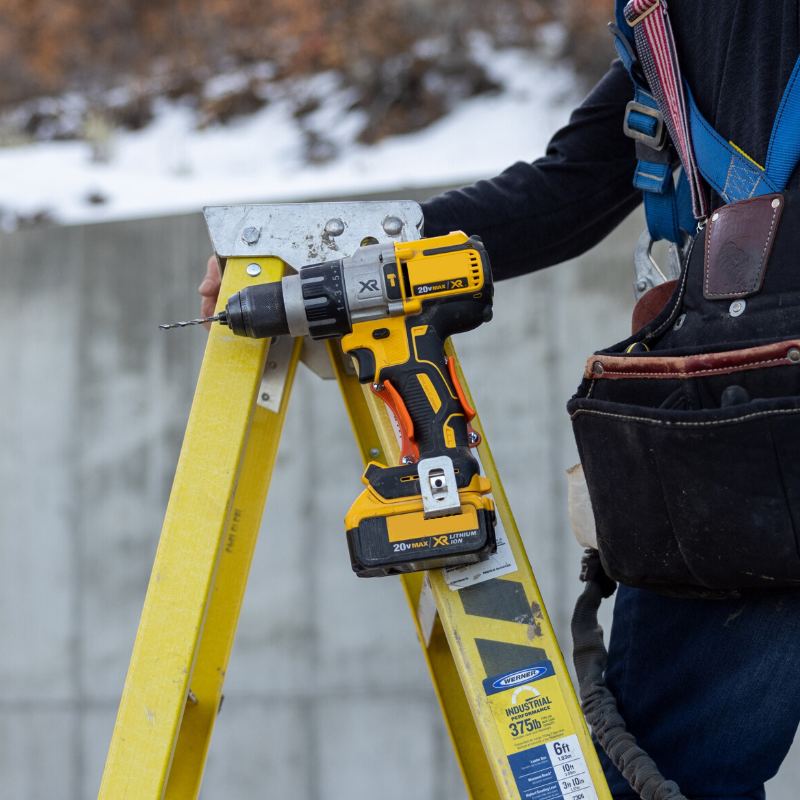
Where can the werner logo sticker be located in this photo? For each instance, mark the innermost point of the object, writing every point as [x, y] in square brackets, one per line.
[520, 677]
[535, 672]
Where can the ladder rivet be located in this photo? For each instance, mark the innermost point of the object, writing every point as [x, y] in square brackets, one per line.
[393, 225]
[374, 452]
[272, 364]
[641, 286]
[251, 235]
[264, 396]
[334, 227]
[253, 270]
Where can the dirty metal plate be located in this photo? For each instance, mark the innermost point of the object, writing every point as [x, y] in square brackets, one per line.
[307, 233]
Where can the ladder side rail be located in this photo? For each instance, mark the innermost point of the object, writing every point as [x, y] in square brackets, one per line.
[163, 660]
[484, 643]
[205, 703]
[375, 446]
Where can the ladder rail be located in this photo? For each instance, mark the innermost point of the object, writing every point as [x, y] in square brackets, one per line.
[530, 637]
[226, 599]
[464, 736]
[198, 516]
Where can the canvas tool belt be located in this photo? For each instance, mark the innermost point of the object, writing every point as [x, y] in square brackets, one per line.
[689, 431]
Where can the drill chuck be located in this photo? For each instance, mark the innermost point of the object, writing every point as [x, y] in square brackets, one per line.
[311, 303]
[257, 312]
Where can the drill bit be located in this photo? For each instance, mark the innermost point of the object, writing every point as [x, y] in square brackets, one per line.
[221, 317]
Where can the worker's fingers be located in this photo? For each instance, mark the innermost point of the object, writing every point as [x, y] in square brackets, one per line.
[209, 289]
[210, 285]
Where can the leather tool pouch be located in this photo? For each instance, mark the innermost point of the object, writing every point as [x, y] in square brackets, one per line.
[692, 451]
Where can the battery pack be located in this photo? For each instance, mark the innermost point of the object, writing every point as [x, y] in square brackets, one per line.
[408, 542]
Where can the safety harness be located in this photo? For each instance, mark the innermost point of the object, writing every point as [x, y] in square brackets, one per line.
[663, 118]
[663, 102]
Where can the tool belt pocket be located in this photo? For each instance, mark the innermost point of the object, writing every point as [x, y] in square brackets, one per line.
[693, 467]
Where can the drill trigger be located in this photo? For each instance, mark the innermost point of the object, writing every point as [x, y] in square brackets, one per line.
[469, 411]
[390, 396]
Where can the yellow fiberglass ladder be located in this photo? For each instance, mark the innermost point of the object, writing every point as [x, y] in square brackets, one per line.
[506, 696]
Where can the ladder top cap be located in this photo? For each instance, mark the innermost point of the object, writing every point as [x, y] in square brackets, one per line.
[308, 233]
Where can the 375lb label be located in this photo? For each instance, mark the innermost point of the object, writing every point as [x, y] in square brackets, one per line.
[537, 734]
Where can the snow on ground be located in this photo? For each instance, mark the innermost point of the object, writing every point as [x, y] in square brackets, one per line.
[171, 167]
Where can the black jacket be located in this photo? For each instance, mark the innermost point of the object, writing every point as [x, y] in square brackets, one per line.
[737, 56]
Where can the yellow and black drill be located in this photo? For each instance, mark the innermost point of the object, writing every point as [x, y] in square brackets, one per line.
[394, 306]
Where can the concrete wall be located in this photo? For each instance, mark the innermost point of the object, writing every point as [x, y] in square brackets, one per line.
[327, 694]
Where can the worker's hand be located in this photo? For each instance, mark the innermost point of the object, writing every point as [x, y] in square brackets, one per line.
[209, 289]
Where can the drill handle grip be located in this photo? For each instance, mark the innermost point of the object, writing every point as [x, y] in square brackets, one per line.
[405, 361]
[429, 395]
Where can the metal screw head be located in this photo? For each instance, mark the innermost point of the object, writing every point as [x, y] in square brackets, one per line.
[641, 286]
[474, 437]
[406, 460]
[334, 227]
[392, 225]
[737, 307]
[251, 235]
[776, 203]
[793, 355]
[253, 270]
[378, 387]
[264, 396]
[374, 452]
[597, 368]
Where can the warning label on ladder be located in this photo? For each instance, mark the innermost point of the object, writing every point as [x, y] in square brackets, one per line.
[537, 734]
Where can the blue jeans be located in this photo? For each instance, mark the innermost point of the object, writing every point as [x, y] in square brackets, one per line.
[709, 688]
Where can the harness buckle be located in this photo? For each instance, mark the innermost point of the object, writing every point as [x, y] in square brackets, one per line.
[645, 124]
[634, 22]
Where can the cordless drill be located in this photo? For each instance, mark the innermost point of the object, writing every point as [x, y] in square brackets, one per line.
[394, 306]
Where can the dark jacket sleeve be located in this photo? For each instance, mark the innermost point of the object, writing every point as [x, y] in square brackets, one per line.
[534, 215]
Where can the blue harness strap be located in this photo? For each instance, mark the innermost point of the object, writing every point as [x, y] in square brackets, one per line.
[662, 202]
[733, 174]
[730, 171]
[784, 143]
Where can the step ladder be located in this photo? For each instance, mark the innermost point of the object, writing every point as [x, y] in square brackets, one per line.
[510, 708]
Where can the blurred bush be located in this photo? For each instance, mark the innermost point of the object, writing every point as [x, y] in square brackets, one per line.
[405, 62]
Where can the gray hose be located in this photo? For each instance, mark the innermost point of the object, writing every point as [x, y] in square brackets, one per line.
[590, 657]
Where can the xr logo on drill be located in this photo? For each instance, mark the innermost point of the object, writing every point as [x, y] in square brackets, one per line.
[368, 286]
[440, 541]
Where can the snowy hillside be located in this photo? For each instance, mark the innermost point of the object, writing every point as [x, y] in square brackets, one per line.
[171, 166]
